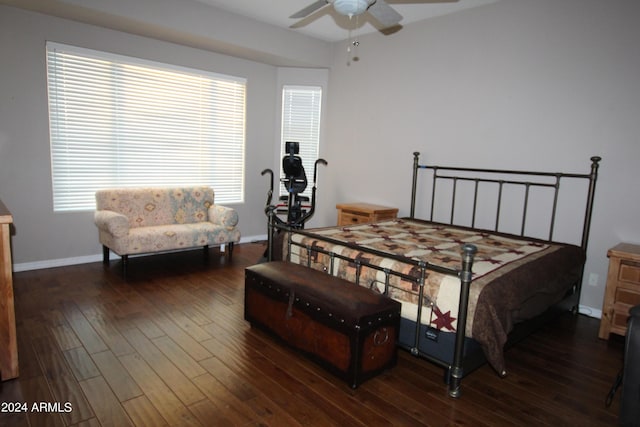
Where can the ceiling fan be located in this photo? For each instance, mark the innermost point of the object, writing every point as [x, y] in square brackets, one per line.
[378, 9]
[388, 19]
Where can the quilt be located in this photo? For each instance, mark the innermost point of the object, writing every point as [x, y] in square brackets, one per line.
[514, 278]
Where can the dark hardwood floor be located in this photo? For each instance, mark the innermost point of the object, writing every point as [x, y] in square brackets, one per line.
[169, 346]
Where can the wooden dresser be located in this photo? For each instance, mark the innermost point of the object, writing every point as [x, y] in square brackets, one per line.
[8, 341]
[623, 289]
[361, 213]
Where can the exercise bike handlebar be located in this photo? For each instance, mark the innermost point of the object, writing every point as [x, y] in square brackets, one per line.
[313, 190]
[270, 192]
[269, 209]
[315, 168]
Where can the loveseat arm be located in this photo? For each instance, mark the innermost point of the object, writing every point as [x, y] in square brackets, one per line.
[112, 222]
[224, 216]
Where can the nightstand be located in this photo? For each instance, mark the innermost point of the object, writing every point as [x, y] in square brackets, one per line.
[623, 289]
[361, 213]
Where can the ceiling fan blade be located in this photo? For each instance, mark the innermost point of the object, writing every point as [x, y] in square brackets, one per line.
[384, 14]
[422, 1]
[309, 9]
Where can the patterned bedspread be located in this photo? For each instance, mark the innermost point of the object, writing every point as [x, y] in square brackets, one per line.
[513, 278]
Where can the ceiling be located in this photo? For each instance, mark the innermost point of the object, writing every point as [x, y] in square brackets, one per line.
[211, 25]
[326, 24]
[323, 24]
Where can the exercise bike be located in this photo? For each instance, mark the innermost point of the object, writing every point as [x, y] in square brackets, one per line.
[294, 207]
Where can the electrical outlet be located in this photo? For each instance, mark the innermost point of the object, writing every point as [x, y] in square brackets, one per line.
[593, 279]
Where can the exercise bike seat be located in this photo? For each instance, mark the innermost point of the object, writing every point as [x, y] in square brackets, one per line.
[295, 179]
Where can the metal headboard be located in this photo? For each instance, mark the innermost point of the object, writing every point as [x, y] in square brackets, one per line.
[525, 179]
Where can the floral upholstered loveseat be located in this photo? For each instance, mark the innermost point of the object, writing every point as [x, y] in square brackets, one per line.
[144, 220]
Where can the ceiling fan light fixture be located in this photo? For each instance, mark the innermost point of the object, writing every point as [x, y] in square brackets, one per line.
[352, 7]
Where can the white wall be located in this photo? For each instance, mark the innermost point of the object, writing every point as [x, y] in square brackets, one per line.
[521, 84]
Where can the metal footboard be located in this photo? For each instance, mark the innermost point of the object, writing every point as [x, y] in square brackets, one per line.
[455, 369]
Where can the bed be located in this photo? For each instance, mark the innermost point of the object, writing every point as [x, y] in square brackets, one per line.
[468, 291]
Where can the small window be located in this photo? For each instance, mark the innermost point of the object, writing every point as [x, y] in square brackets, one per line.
[117, 121]
[301, 107]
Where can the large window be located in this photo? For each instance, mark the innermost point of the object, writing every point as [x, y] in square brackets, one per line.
[123, 122]
[301, 107]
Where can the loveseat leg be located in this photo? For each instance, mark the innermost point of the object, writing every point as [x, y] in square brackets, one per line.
[105, 255]
[230, 249]
[125, 263]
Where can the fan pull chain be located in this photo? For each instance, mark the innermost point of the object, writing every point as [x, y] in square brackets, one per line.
[352, 47]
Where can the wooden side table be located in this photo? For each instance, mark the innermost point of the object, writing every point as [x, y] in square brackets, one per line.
[361, 213]
[8, 341]
[623, 289]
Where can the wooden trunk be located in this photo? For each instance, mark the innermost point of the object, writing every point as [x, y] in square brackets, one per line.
[348, 329]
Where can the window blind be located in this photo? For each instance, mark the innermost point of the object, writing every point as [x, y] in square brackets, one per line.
[301, 109]
[117, 121]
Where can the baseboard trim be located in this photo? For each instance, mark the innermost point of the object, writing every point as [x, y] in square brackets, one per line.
[590, 311]
[63, 262]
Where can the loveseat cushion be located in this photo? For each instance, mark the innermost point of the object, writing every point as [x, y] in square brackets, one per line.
[177, 236]
[151, 206]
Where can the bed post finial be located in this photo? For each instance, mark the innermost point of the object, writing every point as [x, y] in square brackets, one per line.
[469, 250]
[595, 164]
[416, 155]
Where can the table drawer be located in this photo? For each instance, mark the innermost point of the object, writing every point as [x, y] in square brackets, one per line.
[627, 296]
[619, 321]
[384, 216]
[347, 218]
[629, 272]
